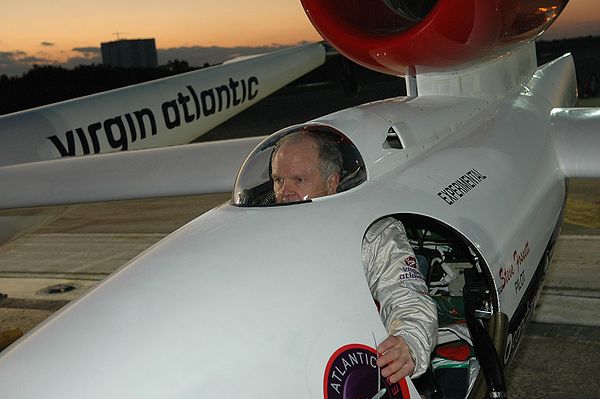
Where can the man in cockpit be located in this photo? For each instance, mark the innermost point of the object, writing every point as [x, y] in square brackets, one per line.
[307, 165]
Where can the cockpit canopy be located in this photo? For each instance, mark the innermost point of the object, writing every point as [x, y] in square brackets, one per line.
[254, 184]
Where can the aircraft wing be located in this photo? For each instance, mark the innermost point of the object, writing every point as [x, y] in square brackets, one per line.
[199, 168]
[576, 134]
[160, 113]
[156, 114]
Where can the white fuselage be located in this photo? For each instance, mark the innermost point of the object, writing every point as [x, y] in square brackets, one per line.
[252, 302]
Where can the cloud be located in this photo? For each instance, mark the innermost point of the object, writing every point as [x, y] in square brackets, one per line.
[73, 62]
[14, 62]
[6, 56]
[47, 44]
[87, 50]
[34, 60]
[87, 55]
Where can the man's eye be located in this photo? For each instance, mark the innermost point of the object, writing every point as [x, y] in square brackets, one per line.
[300, 179]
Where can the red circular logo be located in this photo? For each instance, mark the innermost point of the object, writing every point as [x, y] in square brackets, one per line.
[352, 373]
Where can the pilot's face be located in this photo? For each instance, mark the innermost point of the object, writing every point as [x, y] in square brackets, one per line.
[296, 175]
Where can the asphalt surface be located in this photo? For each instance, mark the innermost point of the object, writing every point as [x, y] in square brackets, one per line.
[558, 357]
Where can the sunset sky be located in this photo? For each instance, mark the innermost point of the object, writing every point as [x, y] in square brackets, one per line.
[69, 32]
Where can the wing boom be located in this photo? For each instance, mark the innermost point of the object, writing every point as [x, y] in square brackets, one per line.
[576, 135]
[159, 172]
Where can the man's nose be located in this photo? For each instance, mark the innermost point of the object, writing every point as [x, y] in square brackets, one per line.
[288, 187]
[289, 191]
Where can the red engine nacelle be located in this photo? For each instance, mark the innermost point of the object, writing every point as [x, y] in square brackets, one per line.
[395, 36]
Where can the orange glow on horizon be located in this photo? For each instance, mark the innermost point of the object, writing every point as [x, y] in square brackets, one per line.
[579, 18]
[54, 29]
[37, 29]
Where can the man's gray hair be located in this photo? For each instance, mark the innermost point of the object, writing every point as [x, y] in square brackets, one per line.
[328, 151]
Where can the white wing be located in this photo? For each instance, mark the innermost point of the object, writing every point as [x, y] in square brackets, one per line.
[576, 134]
[180, 170]
[160, 113]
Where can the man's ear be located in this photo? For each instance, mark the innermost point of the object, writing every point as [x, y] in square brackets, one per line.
[332, 183]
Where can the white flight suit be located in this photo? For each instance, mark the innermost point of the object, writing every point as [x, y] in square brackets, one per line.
[395, 282]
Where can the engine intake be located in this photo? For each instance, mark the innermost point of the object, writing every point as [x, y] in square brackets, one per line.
[398, 36]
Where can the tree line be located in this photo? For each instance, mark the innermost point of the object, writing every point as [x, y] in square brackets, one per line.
[47, 84]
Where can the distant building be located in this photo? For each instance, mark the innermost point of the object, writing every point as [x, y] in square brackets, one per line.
[130, 53]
